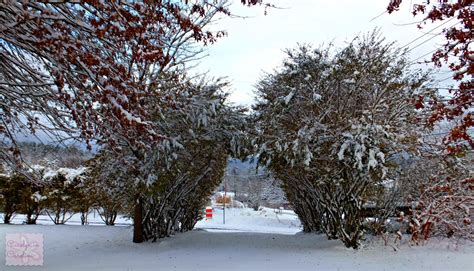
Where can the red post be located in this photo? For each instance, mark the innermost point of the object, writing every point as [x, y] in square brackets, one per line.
[208, 212]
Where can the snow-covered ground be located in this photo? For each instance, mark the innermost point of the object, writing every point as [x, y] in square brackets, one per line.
[269, 244]
[265, 220]
[93, 218]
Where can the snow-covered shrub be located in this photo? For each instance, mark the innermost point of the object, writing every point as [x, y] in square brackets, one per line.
[31, 199]
[108, 189]
[203, 133]
[328, 125]
[167, 184]
[85, 197]
[61, 189]
[10, 199]
[21, 193]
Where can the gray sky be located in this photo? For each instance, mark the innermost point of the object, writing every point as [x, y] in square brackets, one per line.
[255, 44]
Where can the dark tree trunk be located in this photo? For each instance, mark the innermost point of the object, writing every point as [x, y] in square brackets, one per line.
[7, 218]
[8, 212]
[84, 215]
[31, 218]
[110, 216]
[32, 213]
[138, 220]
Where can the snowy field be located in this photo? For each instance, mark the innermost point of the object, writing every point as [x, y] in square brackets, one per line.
[94, 220]
[249, 240]
[265, 220]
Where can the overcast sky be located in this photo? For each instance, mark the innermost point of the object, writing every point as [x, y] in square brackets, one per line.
[255, 44]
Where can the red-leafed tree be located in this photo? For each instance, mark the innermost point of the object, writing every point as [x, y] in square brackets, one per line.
[458, 54]
[84, 67]
[445, 199]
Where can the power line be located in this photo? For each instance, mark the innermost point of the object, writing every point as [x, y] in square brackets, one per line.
[431, 52]
[442, 80]
[378, 15]
[428, 32]
[425, 41]
[439, 81]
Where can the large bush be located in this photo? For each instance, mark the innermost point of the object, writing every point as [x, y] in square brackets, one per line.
[164, 186]
[329, 124]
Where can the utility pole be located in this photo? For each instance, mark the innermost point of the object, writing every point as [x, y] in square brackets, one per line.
[225, 198]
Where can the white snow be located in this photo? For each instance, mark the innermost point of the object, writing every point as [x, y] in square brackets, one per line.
[250, 240]
[265, 220]
[110, 248]
[69, 173]
[317, 97]
[349, 81]
[287, 99]
[93, 218]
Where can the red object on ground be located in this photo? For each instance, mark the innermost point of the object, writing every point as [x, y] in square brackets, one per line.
[208, 212]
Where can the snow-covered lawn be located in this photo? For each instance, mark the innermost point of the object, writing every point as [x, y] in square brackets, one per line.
[94, 220]
[271, 245]
[265, 220]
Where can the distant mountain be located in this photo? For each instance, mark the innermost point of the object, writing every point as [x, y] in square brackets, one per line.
[251, 185]
[248, 167]
[53, 155]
